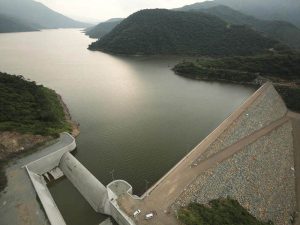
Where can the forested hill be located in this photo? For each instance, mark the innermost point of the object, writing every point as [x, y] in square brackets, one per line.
[30, 108]
[9, 24]
[160, 31]
[103, 28]
[282, 31]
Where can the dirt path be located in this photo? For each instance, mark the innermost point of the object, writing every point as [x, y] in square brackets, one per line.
[162, 197]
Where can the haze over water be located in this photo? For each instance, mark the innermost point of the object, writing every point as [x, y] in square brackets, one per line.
[137, 117]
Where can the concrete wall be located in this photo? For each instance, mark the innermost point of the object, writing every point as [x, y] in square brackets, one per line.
[260, 177]
[47, 163]
[88, 185]
[47, 201]
[115, 190]
[119, 216]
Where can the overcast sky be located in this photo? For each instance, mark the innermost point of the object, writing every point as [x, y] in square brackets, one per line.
[100, 10]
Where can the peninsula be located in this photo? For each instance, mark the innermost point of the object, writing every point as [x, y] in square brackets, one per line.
[30, 116]
[280, 68]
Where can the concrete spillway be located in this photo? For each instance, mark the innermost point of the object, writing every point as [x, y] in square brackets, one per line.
[88, 185]
[61, 162]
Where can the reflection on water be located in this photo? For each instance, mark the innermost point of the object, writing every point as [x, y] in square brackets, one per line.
[137, 117]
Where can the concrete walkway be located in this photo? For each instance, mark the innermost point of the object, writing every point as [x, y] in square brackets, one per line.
[296, 133]
[164, 195]
[18, 202]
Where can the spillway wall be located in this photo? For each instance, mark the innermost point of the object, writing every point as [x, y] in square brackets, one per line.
[88, 185]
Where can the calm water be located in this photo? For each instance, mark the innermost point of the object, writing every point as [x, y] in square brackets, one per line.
[137, 117]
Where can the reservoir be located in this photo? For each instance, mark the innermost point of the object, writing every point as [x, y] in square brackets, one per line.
[137, 118]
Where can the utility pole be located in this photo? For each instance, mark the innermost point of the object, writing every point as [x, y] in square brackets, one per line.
[112, 174]
[147, 184]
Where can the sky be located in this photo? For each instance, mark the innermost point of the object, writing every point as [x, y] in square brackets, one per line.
[101, 10]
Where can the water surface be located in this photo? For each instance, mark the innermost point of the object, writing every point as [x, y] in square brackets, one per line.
[137, 117]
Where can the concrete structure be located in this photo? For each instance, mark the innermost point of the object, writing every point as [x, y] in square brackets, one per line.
[62, 162]
[42, 166]
[88, 185]
[115, 190]
[238, 159]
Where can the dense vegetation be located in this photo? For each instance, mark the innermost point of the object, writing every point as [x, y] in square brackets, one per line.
[3, 178]
[9, 24]
[282, 69]
[285, 66]
[282, 31]
[291, 96]
[218, 212]
[191, 69]
[159, 31]
[103, 28]
[29, 108]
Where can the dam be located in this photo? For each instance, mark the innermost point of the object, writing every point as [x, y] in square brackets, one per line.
[249, 157]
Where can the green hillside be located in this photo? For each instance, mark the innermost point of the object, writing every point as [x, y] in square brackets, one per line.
[165, 32]
[282, 31]
[9, 24]
[102, 29]
[29, 108]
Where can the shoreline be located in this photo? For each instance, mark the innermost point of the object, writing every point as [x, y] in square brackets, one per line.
[15, 144]
[74, 124]
[289, 90]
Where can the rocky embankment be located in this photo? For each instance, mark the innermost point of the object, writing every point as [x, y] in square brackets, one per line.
[74, 125]
[261, 177]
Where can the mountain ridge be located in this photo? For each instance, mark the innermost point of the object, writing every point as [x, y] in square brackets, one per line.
[103, 28]
[161, 31]
[287, 10]
[37, 14]
[10, 25]
[283, 31]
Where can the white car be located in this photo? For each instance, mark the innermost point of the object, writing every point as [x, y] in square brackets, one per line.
[136, 213]
[149, 216]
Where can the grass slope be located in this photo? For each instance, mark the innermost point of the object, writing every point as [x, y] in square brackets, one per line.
[29, 108]
[218, 212]
[159, 31]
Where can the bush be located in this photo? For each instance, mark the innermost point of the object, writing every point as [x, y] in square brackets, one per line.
[291, 96]
[218, 212]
